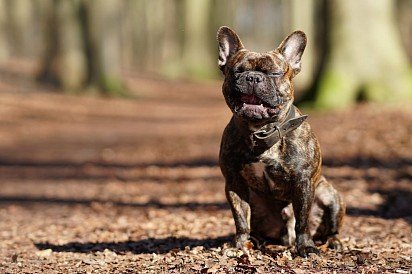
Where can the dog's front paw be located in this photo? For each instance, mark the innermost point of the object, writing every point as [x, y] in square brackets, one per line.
[243, 243]
[305, 246]
[304, 251]
[334, 243]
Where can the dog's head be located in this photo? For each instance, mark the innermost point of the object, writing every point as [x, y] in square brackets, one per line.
[257, 86]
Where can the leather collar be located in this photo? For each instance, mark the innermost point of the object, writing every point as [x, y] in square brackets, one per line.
[270, 134]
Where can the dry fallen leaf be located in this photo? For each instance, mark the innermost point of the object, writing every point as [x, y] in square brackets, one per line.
[164, 217]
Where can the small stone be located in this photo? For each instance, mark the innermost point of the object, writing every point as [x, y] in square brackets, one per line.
[232, 253]
[44, 253]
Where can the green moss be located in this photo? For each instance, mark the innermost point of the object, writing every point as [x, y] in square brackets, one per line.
[405, 87]
[336, 90]
[112, 86]
[391, 87]
[376, 92]
[308, 105]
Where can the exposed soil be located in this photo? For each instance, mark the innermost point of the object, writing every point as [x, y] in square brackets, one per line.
[99, 185]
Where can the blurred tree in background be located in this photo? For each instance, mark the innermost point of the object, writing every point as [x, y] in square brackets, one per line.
[356, 50]
[82, 45]
[366, 58]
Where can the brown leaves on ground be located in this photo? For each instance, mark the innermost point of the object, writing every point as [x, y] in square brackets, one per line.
[94, 185]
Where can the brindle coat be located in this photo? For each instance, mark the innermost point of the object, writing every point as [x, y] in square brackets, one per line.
[276, 192]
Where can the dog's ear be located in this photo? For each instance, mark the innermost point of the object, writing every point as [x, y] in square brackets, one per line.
[292, 49]
[229, 44]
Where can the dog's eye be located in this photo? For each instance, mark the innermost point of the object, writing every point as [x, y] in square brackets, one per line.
[237, 74]
[275, 74]
[238, 70]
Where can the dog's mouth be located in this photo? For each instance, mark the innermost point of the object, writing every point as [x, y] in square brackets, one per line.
[252, 106]
[251, 99]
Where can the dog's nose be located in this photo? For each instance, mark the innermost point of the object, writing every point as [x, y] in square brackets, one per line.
[254, 78]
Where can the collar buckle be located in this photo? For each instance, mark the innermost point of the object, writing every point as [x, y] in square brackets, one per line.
[265, 139]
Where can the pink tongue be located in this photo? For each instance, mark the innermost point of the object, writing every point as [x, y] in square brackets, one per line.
[250, 99]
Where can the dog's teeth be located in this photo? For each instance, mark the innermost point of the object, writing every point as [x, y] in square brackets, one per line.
[261, 105]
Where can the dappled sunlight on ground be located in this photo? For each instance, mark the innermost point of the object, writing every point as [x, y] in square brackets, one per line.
[121, 185]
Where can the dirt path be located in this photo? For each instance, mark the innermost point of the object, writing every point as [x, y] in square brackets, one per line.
[132, 186]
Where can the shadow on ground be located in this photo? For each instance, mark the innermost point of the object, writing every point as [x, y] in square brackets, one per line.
[87, 202]
[78, 170]
[146, 246]
[396, 200]
[396, 205]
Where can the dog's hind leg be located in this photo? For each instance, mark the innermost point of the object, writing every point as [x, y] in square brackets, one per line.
[327, 214]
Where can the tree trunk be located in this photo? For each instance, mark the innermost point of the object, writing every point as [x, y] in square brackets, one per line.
[302, 18]
[64, 59]
[4, 46]
[19, 13]
[197, 54]
[403, 14]
[71, 58]
[104, 35]
[83, 45]
[366, 58]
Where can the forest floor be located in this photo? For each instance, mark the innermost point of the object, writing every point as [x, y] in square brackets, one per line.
[99, 185]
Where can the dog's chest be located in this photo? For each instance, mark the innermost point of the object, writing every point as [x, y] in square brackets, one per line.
[265, 177]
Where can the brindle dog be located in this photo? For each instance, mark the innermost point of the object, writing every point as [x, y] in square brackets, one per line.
[269, 155]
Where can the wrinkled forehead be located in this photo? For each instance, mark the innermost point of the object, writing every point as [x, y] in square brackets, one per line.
[269, 61]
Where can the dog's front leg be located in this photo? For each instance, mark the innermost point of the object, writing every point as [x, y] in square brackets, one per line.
[302, 201]
[237, 193]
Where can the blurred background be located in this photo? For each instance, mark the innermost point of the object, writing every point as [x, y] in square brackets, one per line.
[356, 51]
[111, 115]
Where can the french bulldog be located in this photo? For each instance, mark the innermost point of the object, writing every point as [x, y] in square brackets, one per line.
[269, 155]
